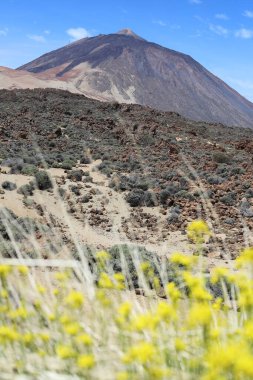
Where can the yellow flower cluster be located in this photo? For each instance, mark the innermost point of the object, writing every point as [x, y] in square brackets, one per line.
[198, 231]
[201, 329]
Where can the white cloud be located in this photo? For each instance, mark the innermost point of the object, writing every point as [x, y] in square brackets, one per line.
[218, 29]
[221, 16]
[244, 33]
[248, 14]
[37, 38]
[78, 33]
[195, 1]
[47, 32]
[4, 32]
[159, 22]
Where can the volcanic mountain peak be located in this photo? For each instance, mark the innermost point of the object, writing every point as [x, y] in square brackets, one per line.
[129, 32]
[125, 68]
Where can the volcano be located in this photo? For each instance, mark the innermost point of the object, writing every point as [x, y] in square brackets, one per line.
[126, 68]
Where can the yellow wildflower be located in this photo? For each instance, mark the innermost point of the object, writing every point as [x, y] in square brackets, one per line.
[61, 276]
[173, 292]
[5, 270]
[215, 333]
[8, 334]
[75, 299]
[157, 373]
[65, 319]
[56, 292]
[23, 270]
[124, 309]
[146, 321]
[123, 376]
[45, 337]
[28, 338]
[165, 312]
[217, 303]
[145, 266]
[200, 294]
[180, 345]
[198, 230]
[199, 315]
[247, 330]
[245, 257]
[41, 289]
[19, 313]
[4, 293]
[120, 281]
[84, 339]
[103, 256]
[42, 353]
[218, 274]
[65, 351]
[3, 309]
[143, 353]
[181, 259]
[192, 281]
[86, 361]
[233, 360]
[102, 298]
[105, 281]
[72, 328]
[51, 317]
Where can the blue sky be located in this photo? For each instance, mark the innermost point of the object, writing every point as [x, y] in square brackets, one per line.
[217, 33]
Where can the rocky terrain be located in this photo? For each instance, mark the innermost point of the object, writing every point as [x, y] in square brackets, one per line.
[123, 173]
[126, 68]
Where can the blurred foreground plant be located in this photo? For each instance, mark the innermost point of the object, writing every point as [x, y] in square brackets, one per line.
[57, 326]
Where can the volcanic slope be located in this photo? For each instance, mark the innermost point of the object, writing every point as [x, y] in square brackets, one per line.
[126, 68]
[169, 170]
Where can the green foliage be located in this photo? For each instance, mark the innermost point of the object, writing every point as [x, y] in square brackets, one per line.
[43, 180]
[29, 169]
[221, 158]
[8, 185]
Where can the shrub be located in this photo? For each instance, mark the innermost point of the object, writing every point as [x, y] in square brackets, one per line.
[75, 190]
[221, 158]
[30, 170]
[135, 197]
[164, 196]
[75, 175]
[229, 199]
[85, 160]
[237, 170]
[10, 186]
[62, 192]
[127, 259]
[150, 199]
[27, 189]
[43, 180]
[67, 164]
[6, 218]
[215, 180]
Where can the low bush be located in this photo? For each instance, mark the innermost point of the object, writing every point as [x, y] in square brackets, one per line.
[26, 190]
[221, 158]
[135, 197]
[75, 175]
[43, 180]
[10, 186]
